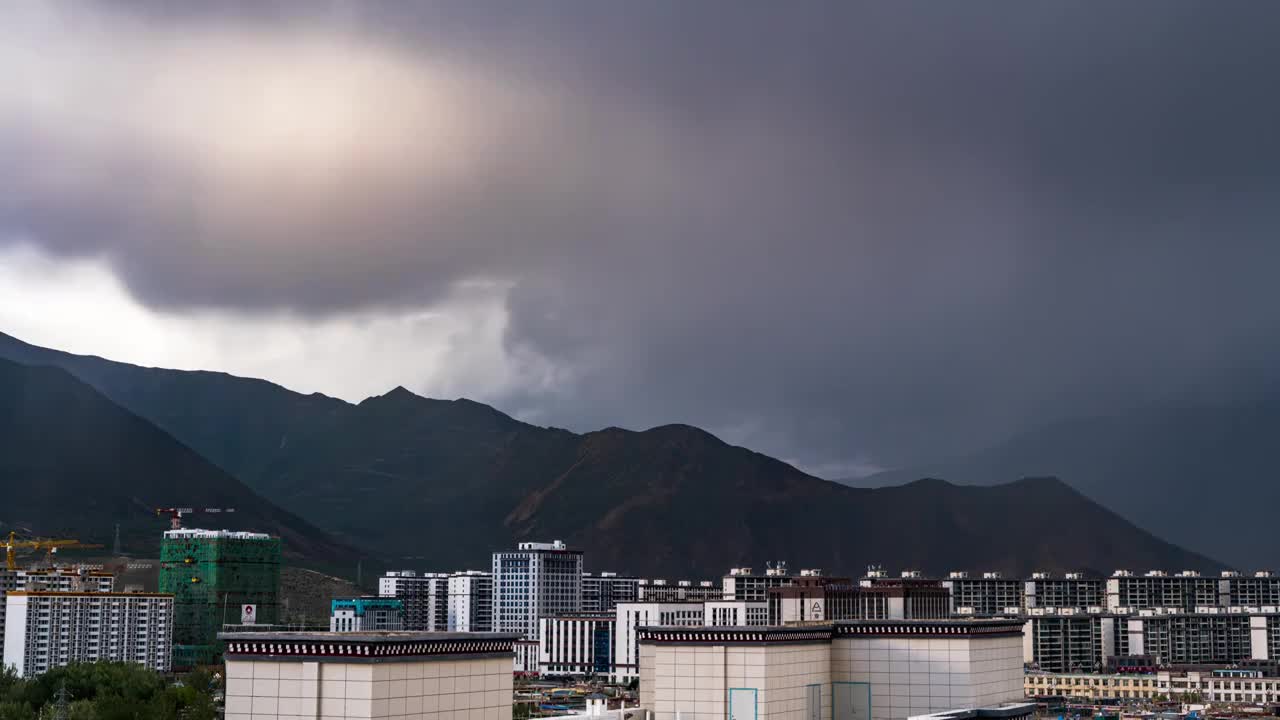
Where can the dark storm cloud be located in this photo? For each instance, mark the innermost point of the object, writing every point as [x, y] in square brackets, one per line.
[835, 231]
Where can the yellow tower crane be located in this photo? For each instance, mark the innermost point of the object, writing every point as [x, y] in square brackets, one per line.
[48, 544]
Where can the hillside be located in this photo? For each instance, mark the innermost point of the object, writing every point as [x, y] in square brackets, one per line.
[74, 463]
[453, 480]
[1198, 475]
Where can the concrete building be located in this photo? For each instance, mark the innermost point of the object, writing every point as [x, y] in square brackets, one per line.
[1072, 590]
[988, 595]
[57, 580]
[733, 613]
[1003, 711]
[577, 645]
[217, 577]
[630, 617]
[602, 593]
[295, 675]
[1157, 589]
[425, 597]
[471, 601]
[881, 670]
[46, 629]
[537, 580]
[1071, 640]
[526, 657]
[366, 614]
[819, 598]
[661, 591]
[742, 583]
[1256, 590]
[1250, 685]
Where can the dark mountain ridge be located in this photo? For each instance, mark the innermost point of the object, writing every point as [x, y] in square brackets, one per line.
[452, 481]
[1198, 474]
[74, 463]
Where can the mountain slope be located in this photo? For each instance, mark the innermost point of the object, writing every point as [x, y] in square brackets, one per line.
[232, 421]
[1199, 475]
[74, 463]
[453, 480]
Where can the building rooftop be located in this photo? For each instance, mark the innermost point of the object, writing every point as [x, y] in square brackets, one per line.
[198, 534]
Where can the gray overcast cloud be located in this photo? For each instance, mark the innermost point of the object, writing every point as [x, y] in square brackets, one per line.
[841, 233]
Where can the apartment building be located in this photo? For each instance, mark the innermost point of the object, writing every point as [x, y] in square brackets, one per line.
[742, 583]
[470, 601]
[602, 593]
[536, 580]
[48, 629]
[987, 595]
[1072, 640]
[1072, 590]
[661, 591]
[425, 597]
[1186, 590]
[56, 580]
[366, 614]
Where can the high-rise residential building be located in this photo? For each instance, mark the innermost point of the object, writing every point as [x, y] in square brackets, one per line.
[742, 583]
[1072, 590]
[366, 614]
[425, 597]
[536, 580]
[217, 577]
[59, 580]
[987, 595]
[471, 601]
[47, 629]
[661, 591]
[602, 593]
[1186, 590]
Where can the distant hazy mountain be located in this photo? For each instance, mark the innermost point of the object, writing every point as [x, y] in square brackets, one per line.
[73, 463]
[1204, 477]
[450, 481]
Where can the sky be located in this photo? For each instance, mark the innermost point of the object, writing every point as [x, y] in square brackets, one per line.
[853, 235]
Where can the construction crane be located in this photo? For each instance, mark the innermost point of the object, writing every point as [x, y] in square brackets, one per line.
[175, 514]
[50, 545]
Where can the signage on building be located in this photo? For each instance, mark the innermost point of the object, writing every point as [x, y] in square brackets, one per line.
[248, 614]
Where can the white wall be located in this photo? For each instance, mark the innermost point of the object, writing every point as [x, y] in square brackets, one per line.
[438, 689]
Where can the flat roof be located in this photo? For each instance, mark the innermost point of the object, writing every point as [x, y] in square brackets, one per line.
[366, 636]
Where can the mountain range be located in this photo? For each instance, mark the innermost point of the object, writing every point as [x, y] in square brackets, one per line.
[75, 464]
[1196, 474]
[402, 477]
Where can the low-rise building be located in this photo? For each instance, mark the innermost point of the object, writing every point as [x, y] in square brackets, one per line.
[577, 645]
[728, 613]
[877, 670]
[1250, 684]
[629, 617]
[293, 675]
[48, 629]
[366, 614]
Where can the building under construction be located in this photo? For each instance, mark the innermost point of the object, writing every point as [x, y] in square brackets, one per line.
[217, 577]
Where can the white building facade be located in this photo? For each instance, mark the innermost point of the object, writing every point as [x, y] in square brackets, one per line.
[425, 597]
[471, 601]
[735, 613]
[45, 630]
[631, 616]
[536, 580]
[581, 645]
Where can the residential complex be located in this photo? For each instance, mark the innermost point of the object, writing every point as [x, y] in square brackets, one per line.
[49, 629]
[217, 577]
[661, 591]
